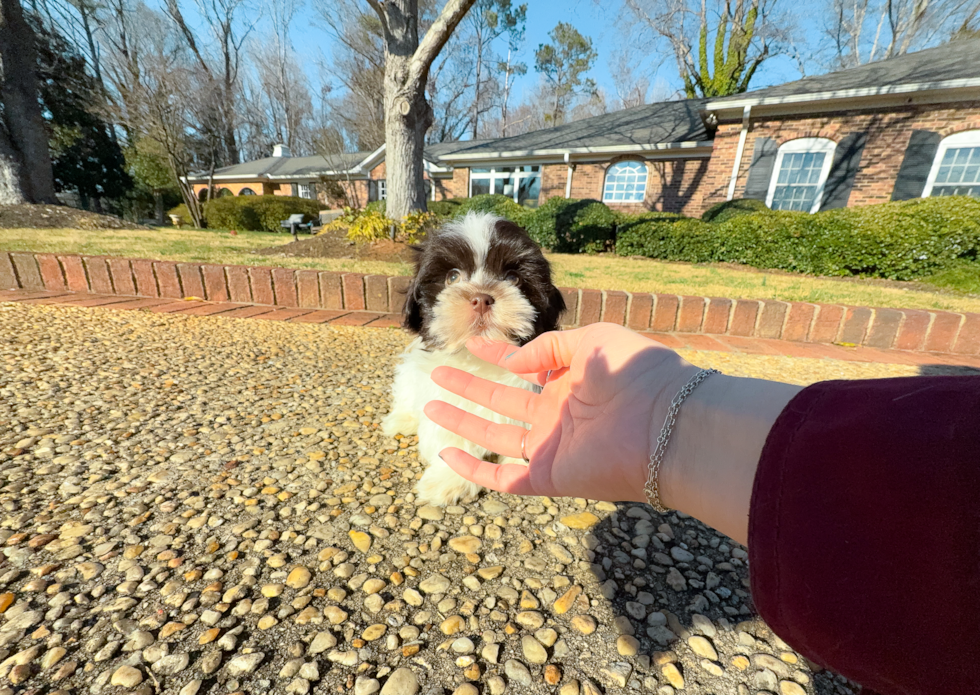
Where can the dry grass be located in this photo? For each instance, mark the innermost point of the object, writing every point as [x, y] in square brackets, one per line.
[597, 272]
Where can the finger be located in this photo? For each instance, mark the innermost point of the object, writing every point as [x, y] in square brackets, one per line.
[509, 401]
[551, 375]
[552, 350]
[501, 439]
[496, 352]
[508, 477]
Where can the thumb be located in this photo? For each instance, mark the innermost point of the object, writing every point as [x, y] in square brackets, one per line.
[549, 351]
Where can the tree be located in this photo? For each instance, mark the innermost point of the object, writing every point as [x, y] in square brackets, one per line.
[510, 68]
[563, 63]
[718, 47]
[489, 20]
[25, 164]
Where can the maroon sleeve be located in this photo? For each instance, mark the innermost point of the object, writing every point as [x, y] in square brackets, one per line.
[864, 531]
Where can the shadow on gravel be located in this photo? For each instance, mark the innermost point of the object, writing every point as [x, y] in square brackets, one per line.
[947, 370]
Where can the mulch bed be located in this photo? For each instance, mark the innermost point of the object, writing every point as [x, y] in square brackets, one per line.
[58, 216]
[334, 244]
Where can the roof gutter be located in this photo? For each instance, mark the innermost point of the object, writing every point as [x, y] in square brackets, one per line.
[561, 152]
[746, 116]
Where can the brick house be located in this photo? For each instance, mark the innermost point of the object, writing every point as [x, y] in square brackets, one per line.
[902, 128]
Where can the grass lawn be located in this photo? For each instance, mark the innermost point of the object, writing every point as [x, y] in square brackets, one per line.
[597, 272]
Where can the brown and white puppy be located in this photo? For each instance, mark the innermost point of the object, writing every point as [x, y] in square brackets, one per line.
[477, 276]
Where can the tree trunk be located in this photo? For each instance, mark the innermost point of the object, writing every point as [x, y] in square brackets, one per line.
[25, 163]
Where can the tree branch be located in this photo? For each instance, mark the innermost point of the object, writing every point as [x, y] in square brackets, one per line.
[435, 38]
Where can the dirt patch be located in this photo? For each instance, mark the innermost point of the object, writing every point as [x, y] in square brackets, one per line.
[58, 216]
[334, 244]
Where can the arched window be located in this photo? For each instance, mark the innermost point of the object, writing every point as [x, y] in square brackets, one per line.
[202, 194]
[626, 182]
[800, 174]
[246, 191]
[224, 192]
[956, 169]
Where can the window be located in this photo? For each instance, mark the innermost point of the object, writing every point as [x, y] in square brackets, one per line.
[224, 192]
[522, 183]
[246, 191]
[800, 174]
[305, 190]
[956, 170]
[626, 182]
[382, 189]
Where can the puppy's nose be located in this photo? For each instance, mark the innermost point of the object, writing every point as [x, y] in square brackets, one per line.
[481, 303]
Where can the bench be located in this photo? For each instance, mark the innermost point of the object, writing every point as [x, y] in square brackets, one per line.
[294, 223]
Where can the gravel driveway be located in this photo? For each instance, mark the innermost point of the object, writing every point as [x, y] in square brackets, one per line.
[199, 505]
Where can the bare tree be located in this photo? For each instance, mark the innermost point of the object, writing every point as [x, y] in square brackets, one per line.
[488, 21]
[563, 64]
[510, 68]
[25, 164]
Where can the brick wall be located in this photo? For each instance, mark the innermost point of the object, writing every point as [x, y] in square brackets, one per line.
[672, 185]
[903, 329]
[553, 179]
[459, 185]
[888, 136]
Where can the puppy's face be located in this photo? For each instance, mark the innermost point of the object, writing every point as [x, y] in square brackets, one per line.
[481, 276]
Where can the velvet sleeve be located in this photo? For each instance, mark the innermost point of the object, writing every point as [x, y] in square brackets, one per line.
[864, 531]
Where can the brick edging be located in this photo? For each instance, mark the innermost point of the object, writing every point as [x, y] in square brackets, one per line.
[901, 329]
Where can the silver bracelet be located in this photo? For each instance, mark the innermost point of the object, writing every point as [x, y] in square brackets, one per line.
[652, 488]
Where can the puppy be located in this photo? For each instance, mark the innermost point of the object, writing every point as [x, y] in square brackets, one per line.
[477, 276]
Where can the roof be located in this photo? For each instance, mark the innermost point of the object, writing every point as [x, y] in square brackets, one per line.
[437, 150]
[276, 167]
[955, 64]
[669, 122]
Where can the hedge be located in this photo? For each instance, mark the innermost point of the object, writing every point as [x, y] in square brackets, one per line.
[898, 241]
[566, 225]
[722, 212]
[258, 212]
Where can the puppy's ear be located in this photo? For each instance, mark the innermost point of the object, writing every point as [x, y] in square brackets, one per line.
[413, 308]
[548, 320]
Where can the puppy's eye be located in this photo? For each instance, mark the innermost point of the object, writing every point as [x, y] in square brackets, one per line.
[453, 277]
[512, 277]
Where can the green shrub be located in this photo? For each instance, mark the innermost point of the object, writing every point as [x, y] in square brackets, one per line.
[567, 225]
[258, 212]
[379, 206]
[898, 241]
[182, 212]
[500, 205]
[723, 212]
[445, 209]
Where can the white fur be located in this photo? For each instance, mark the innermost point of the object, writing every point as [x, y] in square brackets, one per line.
[413, 388]
[477, 229]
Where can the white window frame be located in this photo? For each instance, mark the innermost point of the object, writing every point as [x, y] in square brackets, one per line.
[305, 190]
[493, 176]
[382, 189]
[968, 138]
[643, 194]
[804, 146]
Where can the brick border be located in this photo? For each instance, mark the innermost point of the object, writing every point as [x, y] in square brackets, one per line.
[914, 330]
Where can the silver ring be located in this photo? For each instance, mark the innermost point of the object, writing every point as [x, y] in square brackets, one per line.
[523, 444]
[547, 377]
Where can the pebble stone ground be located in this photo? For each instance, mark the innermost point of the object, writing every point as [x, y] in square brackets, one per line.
[205, 505]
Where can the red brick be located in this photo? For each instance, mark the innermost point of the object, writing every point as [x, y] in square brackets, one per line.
[146, 281]
[942, 333]
[376, 293]
[717, 314]
[827, 324]
[856, 322]
[398, 293]
[353, 284]
[968, 341]
[386, 321]
[122, 276]
[215, 287]
[51, 273]
[641, 308]
[167, 279]
[696, 341]
[667, 339]
[238, 286]
[98, 275]
[884, 328]
[284, 282]
[322, 316]
[8, 278]
[191, 280]
[208, 308]
[570, 295]
[798, 321]
[247, 312]
[664, 313]
[308, 289]
[284, 314]
[691, 315]
[615, 309]
[74, 273]
[912, 333]
[355, 318]
[590, 307]
[331, 294]
[771, 320]
[743, 317]
[261, 281]
[27, 271]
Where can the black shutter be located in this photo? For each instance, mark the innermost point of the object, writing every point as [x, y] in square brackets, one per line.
[372, 190]
[840, 180]
[919, 156]
[760, 170]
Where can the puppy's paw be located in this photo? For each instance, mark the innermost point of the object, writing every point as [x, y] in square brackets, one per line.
[441, 486]
[400, 422]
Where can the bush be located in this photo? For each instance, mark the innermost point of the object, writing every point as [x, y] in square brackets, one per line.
[182, 211]
[898, 241]
[365, 226]
[722, 212]
[567, 225]
[445, 209]
[258, 212]
[378, 206]
[500, 205]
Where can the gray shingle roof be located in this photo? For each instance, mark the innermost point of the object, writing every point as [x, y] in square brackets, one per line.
[439, 149]
[666, 122]
[288, 166]
[953, 61]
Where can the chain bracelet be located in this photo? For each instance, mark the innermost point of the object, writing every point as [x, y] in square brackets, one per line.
[652, 488]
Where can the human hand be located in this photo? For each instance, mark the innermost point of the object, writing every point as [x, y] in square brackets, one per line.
[592, 425]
